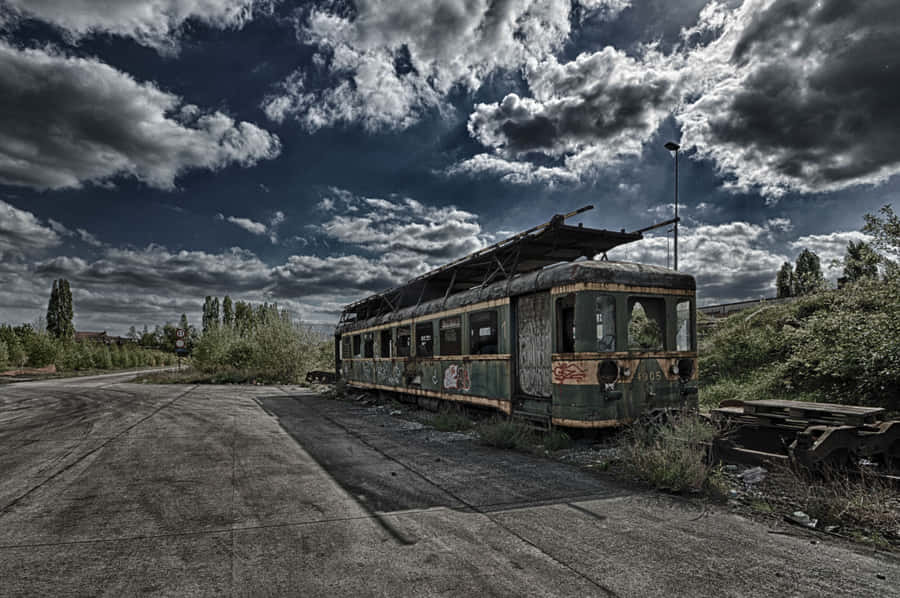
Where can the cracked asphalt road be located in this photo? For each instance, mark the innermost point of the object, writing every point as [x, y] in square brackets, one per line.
[117, 489]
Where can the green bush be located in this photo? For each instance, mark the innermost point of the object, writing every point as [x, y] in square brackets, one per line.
[41, 350]
[451, 420]
[505, 433]
[671, 455]
[274, 349]
[4, 353]
[556, 440]
[836, 346]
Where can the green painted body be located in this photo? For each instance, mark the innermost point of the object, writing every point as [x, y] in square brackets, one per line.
[493, 380]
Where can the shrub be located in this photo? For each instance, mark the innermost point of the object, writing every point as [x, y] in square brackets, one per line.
[451, 420]
[4, 354]
[41, 350]
[556, 440]
[835, 346]
[504, 433]
[273, 349]
[671, 455]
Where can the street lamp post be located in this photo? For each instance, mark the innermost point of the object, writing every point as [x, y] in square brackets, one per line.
[674, 147]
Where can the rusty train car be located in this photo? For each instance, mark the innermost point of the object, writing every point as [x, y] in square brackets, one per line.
[534, 328]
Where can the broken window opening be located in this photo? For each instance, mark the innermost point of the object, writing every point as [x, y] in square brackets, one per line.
[425, 339]
[565, 324]
[483, 332]
[606, 323]
[386, 343]
[357, 345]
[646, 323]
[684, 340]
[403, 341]
[451, 339]
[368, 345]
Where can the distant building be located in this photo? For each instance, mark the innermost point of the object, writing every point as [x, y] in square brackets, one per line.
[102, 338]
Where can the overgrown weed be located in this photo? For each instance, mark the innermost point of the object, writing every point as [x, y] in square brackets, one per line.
[673, 455]
[451, 419]
[507, 434]
[861, 499]
[557, 440]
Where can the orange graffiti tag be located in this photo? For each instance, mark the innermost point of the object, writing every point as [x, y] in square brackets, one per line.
[568, 371]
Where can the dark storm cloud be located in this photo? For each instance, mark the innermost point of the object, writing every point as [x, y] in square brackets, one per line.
[155, 23]
[590, 113]
[804, 97]
[65, 121]
[22, 233]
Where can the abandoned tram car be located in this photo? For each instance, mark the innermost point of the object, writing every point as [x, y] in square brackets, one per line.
[584, 344]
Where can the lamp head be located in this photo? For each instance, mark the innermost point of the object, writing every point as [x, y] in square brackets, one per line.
[672, 146]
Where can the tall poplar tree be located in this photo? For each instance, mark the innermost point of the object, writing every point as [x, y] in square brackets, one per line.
[60, 311]
[227, 312]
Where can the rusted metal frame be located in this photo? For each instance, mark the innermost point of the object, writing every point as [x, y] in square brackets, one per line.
[515, 265]
[422, 292]
[499, 268]
[449, 287]
[514, 239]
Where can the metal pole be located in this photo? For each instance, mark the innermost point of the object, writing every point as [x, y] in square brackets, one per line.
[676, 210]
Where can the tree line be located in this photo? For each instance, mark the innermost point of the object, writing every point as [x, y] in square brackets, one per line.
[862, 260]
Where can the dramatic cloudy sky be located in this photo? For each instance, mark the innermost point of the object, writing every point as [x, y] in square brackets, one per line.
[157, 151]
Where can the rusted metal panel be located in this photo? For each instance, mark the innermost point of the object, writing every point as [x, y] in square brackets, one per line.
[533, 333]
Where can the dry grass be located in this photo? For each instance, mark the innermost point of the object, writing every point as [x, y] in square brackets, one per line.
[451, 419]
[673, 455]
[861, 500]
[508, 434]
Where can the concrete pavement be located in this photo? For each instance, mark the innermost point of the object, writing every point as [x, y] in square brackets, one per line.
[110, 488]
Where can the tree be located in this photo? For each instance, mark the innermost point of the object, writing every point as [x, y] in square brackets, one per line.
[227, 312]
[210, 313]
[60, 311]
[214, 312]
[860, 262]
[133, 334]
[243, 316]
[53, 311]
[784, 281]
[808, 276]
[885, 232]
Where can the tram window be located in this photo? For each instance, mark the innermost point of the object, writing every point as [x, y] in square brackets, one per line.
[646, 323]
[606, 323]
[385, 343]
[565, 324]
[451, 339]
[357, 345]
[483, 332]
[368, 345]
[425, 339]
[683, 330]
[403, 341]
[345, 348]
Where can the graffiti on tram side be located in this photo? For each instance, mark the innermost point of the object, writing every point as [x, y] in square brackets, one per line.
[389, 373]
[457, 377]
[567, 372]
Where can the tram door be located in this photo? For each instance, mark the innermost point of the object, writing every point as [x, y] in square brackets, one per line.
[533, 344]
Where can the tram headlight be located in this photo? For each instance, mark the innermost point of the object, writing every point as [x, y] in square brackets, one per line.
[607, 372]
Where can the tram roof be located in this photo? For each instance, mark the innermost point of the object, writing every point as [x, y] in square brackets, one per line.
[534, 249]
